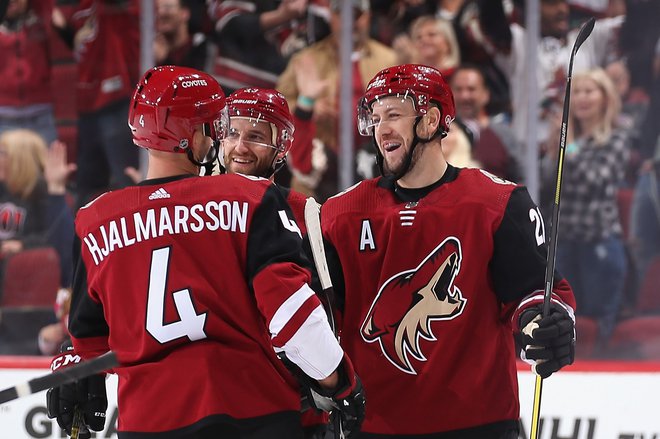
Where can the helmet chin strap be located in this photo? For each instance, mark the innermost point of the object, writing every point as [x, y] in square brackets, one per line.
[275, 166]
[210, 157]
[408, 160]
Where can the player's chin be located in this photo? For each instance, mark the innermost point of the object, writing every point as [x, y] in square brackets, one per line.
[242, 168]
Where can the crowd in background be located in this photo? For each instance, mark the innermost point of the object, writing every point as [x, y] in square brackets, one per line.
[69, 68]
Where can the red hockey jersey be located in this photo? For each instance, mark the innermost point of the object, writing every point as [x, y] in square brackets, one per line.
[193, 282]
[429, 290]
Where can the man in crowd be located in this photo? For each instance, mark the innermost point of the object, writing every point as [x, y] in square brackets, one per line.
[494, 145]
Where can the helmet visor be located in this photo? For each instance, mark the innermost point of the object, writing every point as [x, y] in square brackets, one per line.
[385, 111]
[252, 132]
[218, 128]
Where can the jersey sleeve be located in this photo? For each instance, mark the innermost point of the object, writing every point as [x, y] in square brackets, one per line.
[87, 325]
[279, 276]
[519, 258]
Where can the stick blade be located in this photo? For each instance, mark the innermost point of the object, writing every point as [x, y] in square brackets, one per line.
[584, 32]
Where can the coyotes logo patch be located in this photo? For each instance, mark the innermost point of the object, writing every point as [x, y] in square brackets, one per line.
[409, 301]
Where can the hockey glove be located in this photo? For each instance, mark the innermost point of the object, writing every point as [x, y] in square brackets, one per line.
[87, 395]
[349, 400]
[549, 342]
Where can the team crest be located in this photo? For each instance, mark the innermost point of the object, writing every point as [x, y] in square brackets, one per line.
[409, 301]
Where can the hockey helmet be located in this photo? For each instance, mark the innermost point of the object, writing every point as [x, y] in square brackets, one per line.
[422, 84]
[169, 102]
[266, 105]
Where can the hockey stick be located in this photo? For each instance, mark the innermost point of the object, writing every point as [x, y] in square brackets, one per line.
[315, 236]
[61, 377]
[583, 34]
[313, 224]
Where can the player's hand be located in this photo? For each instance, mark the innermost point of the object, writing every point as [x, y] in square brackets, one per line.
[349, 400]
[87, 395]
[548, 342]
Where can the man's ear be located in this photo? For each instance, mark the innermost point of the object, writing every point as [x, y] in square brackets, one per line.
[431, 120]
[200, 144]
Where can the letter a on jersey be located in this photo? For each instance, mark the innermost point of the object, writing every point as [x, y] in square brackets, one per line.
[409, 301]
[367, 237]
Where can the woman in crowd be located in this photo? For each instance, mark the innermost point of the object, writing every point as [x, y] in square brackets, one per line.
[590, 251]
[33, 210]
[435, 44]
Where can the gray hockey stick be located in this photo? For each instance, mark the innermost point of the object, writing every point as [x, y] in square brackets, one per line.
[61, 377]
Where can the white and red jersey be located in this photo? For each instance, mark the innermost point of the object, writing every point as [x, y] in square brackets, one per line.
[431, 280]
[193, 282]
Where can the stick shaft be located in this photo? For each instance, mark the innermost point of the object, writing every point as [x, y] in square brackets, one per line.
[550, 265]
[61, 377]
[315, 236]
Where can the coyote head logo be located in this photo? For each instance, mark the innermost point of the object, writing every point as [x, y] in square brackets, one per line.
[409, 301]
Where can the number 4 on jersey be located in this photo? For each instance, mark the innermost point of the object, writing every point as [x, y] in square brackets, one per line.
[190, 324]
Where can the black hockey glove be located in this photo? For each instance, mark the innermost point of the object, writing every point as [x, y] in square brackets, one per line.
[87, 395]
[549, 342]
[349, 401]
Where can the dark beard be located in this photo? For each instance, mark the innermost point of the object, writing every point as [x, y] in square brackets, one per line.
[389, 172]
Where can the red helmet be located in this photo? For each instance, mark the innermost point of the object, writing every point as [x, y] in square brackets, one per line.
[424, 85]
[268, 105]
[170, 102]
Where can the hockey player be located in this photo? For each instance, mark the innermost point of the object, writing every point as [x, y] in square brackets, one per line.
[193, 282]
[259, 139]
[435, 269]
[257, 143]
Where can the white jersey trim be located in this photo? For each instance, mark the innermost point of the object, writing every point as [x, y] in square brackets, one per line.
[288, 309]
[314, 347]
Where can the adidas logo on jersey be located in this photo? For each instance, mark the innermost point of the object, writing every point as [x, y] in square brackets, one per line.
[158, 194]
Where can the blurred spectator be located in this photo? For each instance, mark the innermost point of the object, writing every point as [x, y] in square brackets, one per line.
[52, 336]
[457, 147]
[25, 94]
[32, 197]
[645, 211]
[488, 25]
[254, 40]
[645, 216]
[435, 44]
[590, 252]
[173, 44]
[634, 104]
[448, 9]
[637, 40]
[495, 146]
[391, 22]
[392, 19]
[310, 84]
[105, 84]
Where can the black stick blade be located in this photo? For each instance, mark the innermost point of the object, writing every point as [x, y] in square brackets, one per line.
[584, 32]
